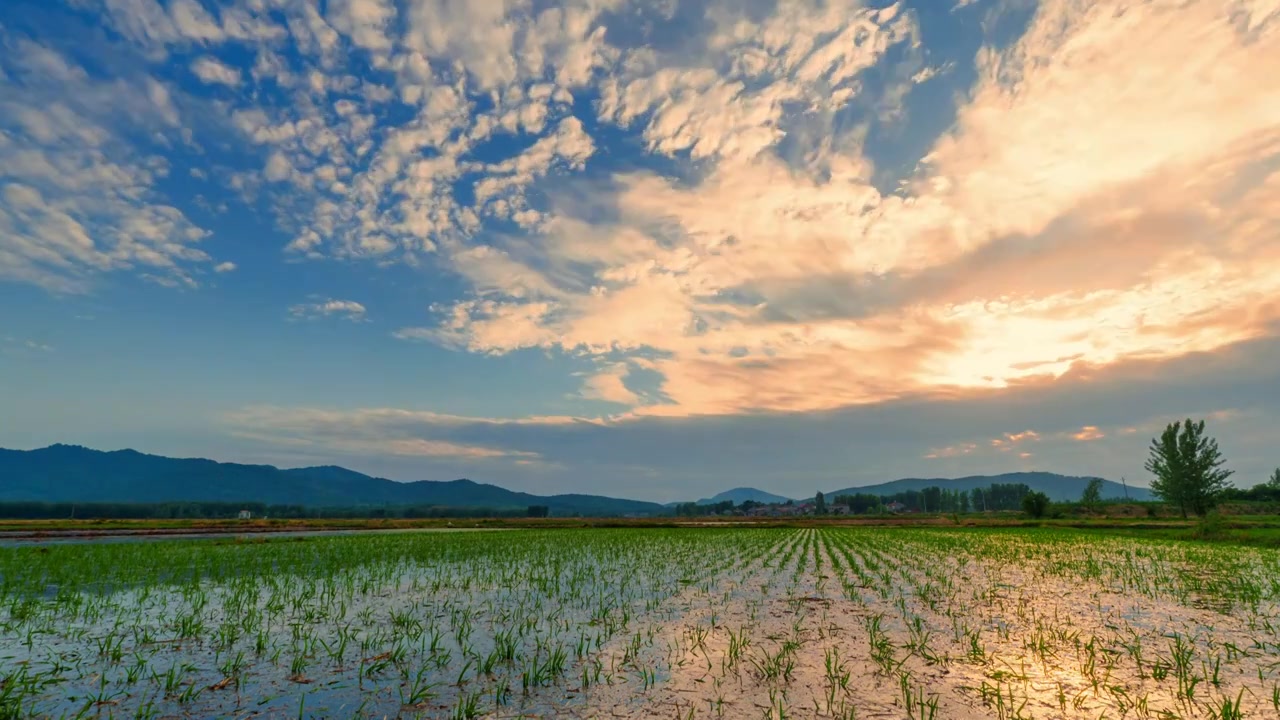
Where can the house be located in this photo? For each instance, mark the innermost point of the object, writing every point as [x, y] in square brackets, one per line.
[245, 515]
[895, 507]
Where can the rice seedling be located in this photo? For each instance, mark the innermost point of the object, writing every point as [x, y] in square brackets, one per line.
[828, 622]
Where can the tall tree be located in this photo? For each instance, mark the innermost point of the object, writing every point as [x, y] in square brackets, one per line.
[820, 503]
[1092, 496]
[1188, 468]
[979, 501]
[1274, 480]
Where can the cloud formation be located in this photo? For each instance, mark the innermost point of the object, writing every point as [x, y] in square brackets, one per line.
[1065, 221]
[79, 170]
[345, 309]
[705, 211]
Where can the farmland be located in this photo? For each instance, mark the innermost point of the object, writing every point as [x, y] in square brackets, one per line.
[852, 622]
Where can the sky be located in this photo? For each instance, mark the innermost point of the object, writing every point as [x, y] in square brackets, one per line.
[647, 249]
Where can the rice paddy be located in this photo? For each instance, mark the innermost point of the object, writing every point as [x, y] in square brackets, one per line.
[924, 624]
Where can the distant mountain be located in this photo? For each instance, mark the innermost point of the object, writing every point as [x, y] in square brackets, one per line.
[70, 473]
[1059, 488]
[741, 495]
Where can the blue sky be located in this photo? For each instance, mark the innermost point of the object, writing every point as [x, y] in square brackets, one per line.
[653, 249]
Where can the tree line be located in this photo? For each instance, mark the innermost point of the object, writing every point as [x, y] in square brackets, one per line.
[935, 499]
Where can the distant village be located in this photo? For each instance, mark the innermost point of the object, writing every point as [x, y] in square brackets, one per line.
[812, 508]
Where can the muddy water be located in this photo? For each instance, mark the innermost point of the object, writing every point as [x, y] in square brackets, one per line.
[966, 639]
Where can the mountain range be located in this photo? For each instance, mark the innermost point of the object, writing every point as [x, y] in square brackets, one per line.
[71, 473]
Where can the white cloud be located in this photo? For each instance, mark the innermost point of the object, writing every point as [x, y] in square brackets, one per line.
[364, 21]
[224, 267]
[381, 431]
[78, 176]
[734, 99]
[193, 22]
[142, 21]
[10, 345]
[345, 309]
[568, 147]
[212, 72]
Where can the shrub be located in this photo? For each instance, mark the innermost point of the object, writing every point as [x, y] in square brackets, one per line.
[1211, 526]
[1035, 504]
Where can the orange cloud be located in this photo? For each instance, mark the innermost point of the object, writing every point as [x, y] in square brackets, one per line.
[609, 385]
[951, 451]
[1089, 208]
[1087, 433]
[1006, 443]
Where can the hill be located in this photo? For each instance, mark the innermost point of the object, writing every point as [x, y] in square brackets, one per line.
[70, 473]
[1059, 488]
[741, 495]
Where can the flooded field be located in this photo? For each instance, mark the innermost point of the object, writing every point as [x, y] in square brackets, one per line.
[666, 623]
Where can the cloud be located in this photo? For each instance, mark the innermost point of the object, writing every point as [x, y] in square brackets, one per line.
[1088, 433]
[1063, 222]
[951, 451]
[500, 192]
[1009, 441]
[345, 309]
[212, 72]
[609, 385]
[224, 267]
[392, 432]
[79, 187]
[11, 345]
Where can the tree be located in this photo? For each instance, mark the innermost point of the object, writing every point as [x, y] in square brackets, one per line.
[1274, 480]
[932, 498]
[1092, 496]
[1188, 468]
[1035, 504]
[538, 511]
[820, 504]
[979, 501]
